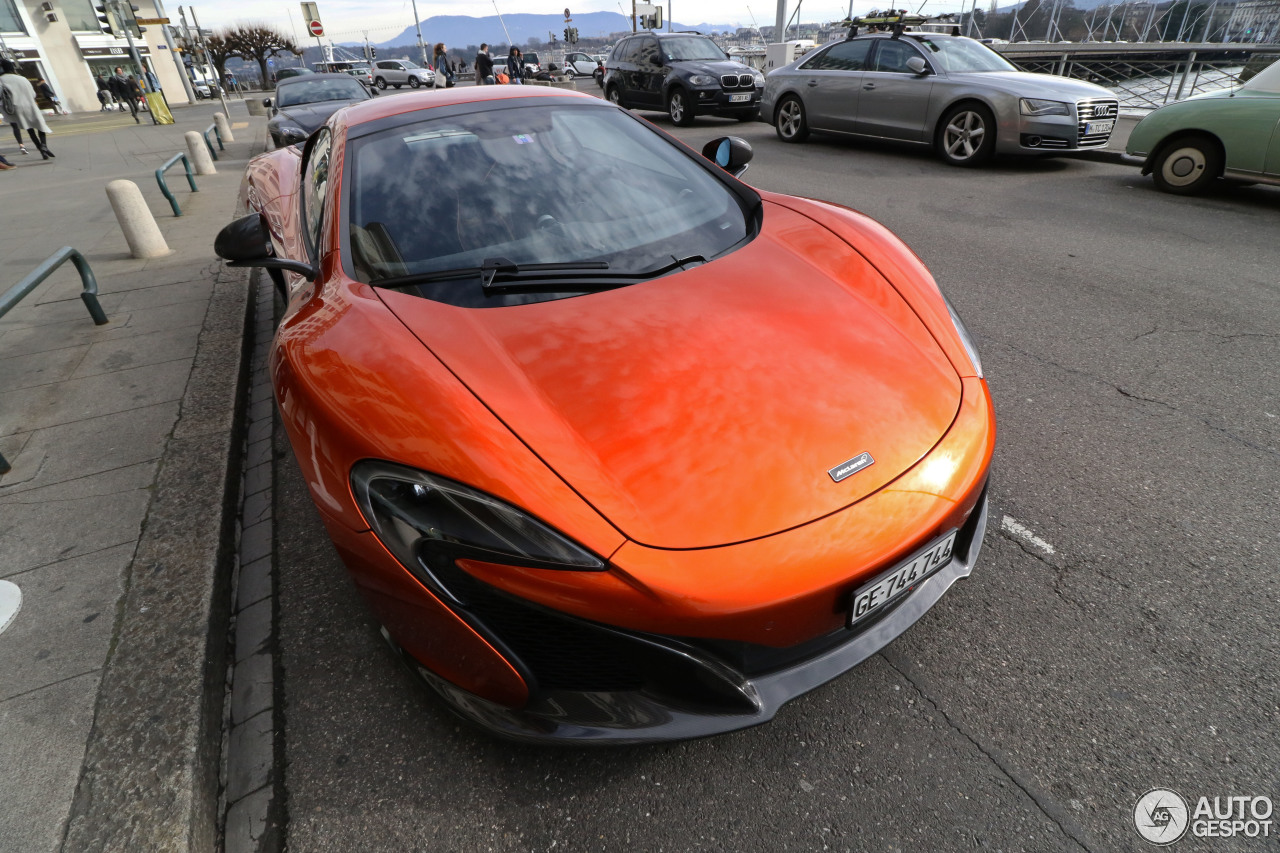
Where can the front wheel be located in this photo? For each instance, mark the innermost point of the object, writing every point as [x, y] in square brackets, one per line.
[679, 108]
[414, 82]
[380, 83]
[790, 123]
[1187, 165]
[614, 96]
[967, 135]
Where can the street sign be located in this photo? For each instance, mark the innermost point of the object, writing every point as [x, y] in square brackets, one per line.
[316, 28]
[153, 22]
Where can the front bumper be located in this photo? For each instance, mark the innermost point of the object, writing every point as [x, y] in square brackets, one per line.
[718, 102]
[650, 713]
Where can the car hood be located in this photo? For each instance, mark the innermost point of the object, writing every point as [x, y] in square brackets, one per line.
[310, 116]
[1028, 85]
[707, 407]
[715, 69]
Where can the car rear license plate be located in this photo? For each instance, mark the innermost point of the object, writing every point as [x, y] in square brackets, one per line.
[740, 99]
[1099, 127]
[901, 579]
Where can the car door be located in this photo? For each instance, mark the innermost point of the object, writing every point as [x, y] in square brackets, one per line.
[1273, 150]
[649, 74]
[831, 82]
[894, 102]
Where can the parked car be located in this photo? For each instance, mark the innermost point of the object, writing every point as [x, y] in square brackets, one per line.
[683, 74]
[579, 64]
[401, 72]
[360, 69]
[948, 92]
[532, 64]
[616, 447]
[1189, 145]
[286, 73]
[302, 104]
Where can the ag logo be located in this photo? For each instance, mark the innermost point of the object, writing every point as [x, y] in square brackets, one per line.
[1161, 816]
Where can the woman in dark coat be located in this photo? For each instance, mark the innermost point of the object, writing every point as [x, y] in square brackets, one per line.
[515, 65]
[441, 61]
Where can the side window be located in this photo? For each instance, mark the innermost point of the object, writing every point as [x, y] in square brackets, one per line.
[892, 55]
[315, 182]
[627, 51]
[648, 51]
[849, 56]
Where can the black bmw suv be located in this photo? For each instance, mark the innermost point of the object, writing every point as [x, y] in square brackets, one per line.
[685, 74]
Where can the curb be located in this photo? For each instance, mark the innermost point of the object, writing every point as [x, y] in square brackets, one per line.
[150, 781]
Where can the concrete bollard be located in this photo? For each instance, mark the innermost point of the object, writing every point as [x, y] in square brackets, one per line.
[198, 151]
[139, 226]
[224, 127]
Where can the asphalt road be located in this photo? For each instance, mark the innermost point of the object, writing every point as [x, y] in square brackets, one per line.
[1119, 633]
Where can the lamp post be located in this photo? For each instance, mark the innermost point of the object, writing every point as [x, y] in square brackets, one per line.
[422, 49]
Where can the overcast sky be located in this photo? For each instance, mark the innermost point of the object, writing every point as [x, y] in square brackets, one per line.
[348, 20]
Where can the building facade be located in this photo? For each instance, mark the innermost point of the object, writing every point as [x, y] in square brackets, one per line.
[63, 41]
[1256, 21]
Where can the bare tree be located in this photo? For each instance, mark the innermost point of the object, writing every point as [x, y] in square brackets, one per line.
[257, 42]
[220, 48]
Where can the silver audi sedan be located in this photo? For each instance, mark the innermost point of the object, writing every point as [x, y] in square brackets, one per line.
[949, 92]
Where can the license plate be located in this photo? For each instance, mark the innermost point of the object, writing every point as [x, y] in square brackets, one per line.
[901, 579]
[739, 99]
[1093, 127]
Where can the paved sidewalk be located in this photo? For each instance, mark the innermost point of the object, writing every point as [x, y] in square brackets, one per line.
[114, 519]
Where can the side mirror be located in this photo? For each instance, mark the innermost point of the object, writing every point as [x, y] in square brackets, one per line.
[656, 60]
[917, 66]
[247, 243]
[266, 102]
[731, 153]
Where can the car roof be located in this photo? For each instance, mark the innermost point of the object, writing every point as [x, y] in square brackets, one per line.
[310, 78]
[386, 107]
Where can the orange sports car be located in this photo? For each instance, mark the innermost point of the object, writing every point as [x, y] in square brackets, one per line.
[616, 447]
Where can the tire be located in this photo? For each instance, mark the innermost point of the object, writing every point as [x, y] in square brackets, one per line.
[966, 135]
[599, 78]
[1187, 165]
[414, 82]
[381, 84]
[613, 95]
[790, 122]
[679, 108]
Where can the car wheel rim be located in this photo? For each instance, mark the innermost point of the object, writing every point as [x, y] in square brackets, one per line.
[963, 135]
[789, 119]
[613, 96]
[677, 107]
[413, 82]
[1183, 167]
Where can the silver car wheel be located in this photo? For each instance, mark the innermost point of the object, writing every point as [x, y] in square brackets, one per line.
[963, 135]
[789, 119]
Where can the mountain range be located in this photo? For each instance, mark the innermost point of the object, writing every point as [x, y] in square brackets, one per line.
[458, 31]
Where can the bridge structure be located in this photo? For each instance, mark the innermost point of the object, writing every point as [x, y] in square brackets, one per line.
[1146, 75]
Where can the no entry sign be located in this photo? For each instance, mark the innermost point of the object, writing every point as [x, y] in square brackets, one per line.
[317, 28]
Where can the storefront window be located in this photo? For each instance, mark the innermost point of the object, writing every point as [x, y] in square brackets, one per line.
[9, 20]
[81, 16]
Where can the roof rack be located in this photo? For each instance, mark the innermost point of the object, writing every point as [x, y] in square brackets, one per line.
[896, 21]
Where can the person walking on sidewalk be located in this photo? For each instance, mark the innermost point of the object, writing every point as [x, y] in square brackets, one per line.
[5, 165]
[441, 60]
[20, 106]
[44, 90]
[515, 65]
[120, 90]
[104, 92]
[484, 67]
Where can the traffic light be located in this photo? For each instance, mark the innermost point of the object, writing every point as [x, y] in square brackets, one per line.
[133, 22]
[373, 53]
[104, 20]
[566, 34]
[572, 36]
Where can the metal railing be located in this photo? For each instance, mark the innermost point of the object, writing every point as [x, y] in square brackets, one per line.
[164, 186]
[218, 135]
[89, 295]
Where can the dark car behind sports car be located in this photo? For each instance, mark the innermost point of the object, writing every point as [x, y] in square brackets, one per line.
[304, 103]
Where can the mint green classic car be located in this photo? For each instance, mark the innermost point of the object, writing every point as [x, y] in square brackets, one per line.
[1229, 134]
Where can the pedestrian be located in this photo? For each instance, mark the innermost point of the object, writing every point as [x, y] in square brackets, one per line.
[440, 59]
[153, 82]
[122, 92]
[43, 89]
[484, 67]
[104, 93]
[5, 165]
[19, 104]
[515, 65]
[137, 96]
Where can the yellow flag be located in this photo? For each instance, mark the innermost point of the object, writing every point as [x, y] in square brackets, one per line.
[159, 109]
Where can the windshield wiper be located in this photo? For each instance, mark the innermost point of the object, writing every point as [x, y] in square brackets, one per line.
[499, 275]
[490, 271]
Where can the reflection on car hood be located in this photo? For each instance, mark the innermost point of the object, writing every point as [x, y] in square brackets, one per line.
[311, 116]
[668, 403]
[715, 69]
[1028, 85]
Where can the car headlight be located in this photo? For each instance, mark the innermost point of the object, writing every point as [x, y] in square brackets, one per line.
[1037, 107]
[291, 133]
[418, 515]
[702, 80]
[759, 78]
[969, 347]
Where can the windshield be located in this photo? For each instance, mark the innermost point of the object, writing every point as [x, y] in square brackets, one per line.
[957, 55]
[408, 63]
[1267, 80]
[307, 91]
[557, 184]
[531, 58]
[692, 47]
